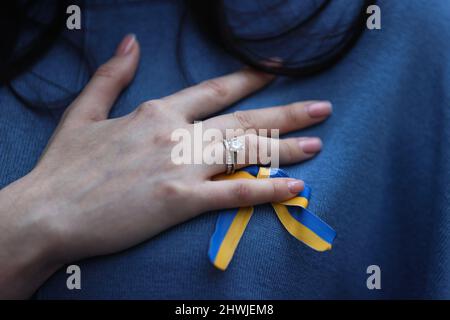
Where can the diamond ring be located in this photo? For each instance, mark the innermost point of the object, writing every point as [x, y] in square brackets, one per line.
[232, 147]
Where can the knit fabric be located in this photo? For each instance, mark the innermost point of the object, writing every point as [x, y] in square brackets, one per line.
[382, 180]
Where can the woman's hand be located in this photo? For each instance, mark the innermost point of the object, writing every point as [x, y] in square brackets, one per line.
[103, 185]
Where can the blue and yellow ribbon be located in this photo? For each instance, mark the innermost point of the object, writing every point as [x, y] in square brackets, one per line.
[298, 221]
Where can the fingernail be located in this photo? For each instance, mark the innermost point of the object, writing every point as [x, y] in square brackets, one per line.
[310, 145]
[319, 109]
[295, 186]
[126, 45]
[272, 62]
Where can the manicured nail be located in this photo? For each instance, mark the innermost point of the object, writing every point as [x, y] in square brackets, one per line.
[310, 145]
[319, 109]
[295, 186]
[272, 62]
[126, 45]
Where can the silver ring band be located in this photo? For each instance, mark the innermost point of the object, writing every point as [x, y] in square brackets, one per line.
[232, 147]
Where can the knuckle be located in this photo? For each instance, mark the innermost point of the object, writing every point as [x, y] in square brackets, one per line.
[106, 71]
[171, 190]
[150, 109]
[290, 152]
[294, 113]
[276, 189]
[154, 104]
[251, 145]
[244, 119]
[215, 88]
[161, 139]
[242, 192]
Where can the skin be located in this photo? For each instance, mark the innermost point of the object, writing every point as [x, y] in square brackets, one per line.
[103, 185]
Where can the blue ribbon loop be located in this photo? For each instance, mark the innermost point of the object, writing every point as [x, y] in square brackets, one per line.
[297, 220]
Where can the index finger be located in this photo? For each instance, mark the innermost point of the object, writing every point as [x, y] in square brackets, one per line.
[213, 95]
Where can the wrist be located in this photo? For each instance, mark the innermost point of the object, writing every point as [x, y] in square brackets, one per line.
[27, 246]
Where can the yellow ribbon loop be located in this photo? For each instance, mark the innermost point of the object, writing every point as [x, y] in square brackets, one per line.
[297, 220]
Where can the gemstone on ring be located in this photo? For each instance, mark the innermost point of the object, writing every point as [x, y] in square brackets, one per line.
[235, 145]
[232, 147]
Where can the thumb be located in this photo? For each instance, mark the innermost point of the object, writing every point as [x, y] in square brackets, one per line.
[97, 98]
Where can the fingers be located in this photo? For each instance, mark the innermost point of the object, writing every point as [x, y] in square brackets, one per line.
[243, 193]
[109, 80]
[287, 118]
[213, 95]
[263, 150]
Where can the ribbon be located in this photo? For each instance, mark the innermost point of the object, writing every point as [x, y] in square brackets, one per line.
[301, 223]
